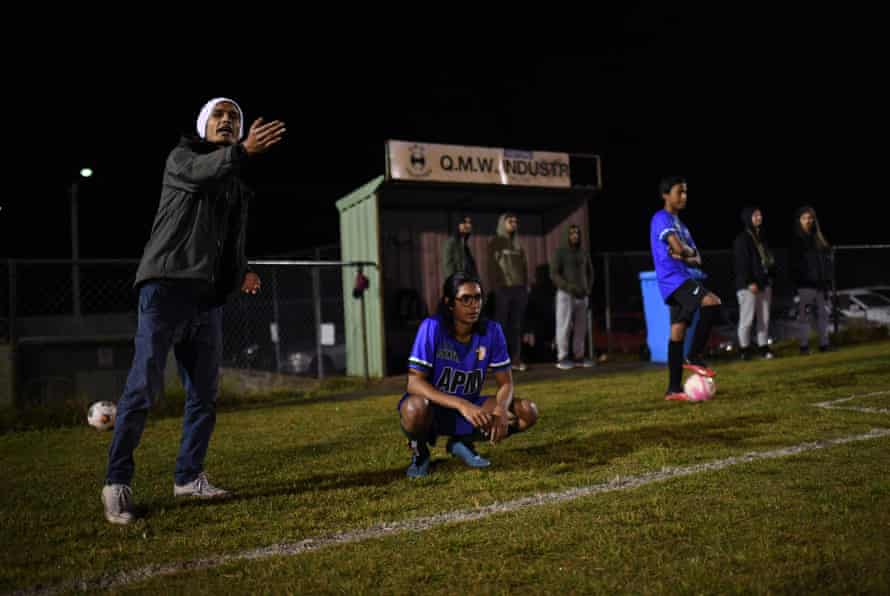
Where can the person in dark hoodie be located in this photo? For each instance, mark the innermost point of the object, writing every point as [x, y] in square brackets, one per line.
[193, 260]
[456, 254]
[811, 274]
[508, 268]
[572, 272]
[754, 271]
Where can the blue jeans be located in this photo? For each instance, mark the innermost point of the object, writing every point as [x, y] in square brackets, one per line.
[175, 313]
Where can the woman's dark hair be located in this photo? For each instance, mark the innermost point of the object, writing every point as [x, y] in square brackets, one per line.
[460, 220]
[449, 293]
[816, 234]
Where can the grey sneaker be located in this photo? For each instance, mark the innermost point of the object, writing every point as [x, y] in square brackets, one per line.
[118, 502]
[565, 365]
[585, 363]
[199, 487]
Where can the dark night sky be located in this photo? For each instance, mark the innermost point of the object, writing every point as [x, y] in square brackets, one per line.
[778, 112]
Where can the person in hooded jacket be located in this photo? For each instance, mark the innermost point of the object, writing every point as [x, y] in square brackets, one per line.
[456, 254]
[572, 273]
[508, 268]
[193, 260]
[754, 273]
[811, 274]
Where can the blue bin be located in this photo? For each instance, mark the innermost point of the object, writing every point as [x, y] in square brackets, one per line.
[658, 317]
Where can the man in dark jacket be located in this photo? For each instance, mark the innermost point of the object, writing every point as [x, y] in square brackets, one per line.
[754, 265]
[193, 260]
[572, 273]
[456, 254]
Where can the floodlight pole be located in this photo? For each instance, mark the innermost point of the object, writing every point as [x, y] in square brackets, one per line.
[75, 250]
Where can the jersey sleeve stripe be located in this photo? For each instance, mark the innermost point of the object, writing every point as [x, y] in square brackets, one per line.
[414, 360]
[667, 231]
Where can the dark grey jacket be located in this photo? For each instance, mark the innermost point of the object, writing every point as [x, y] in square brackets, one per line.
[571, 268]
[200, 227]
[456, 256]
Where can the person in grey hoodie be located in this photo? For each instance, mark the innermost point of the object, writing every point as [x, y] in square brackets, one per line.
[572, 272]
[193, 260]
[508, 267]
[754, 272]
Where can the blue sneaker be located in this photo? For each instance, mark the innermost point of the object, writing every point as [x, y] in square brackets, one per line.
[465, 452]
[420, 460]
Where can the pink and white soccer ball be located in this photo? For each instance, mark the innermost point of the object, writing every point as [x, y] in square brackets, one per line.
[101, 415]
[699, 388]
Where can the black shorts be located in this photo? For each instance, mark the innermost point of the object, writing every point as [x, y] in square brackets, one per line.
[685, 301]
[449, 422]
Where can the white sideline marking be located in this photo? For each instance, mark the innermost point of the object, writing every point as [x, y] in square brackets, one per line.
[421, 524]
[830, 405]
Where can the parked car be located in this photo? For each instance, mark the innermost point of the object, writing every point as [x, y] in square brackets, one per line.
[882, 290]
[861, 303]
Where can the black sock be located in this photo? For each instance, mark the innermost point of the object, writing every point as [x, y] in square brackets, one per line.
[707, 316]
[422, 437]
[675, 366]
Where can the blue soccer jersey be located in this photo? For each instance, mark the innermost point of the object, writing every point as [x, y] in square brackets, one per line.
[453, 367]
[670, 272]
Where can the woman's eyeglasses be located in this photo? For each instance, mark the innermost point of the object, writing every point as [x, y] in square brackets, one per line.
[469, 299]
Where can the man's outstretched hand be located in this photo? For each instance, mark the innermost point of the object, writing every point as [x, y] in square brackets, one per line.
[263, 136]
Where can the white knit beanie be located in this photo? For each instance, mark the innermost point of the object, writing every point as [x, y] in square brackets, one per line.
[208, 108]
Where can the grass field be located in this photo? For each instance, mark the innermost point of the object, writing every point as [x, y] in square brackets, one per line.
[323, 482]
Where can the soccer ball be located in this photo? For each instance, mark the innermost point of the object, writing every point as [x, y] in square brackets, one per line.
[699, 388]
[101, 415]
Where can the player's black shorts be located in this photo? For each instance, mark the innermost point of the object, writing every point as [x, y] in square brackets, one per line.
[686, 300]
[451, 423]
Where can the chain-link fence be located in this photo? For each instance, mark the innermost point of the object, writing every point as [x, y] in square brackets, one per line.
[295, 325]
[862, 265]
[69, 325]
[862, 284]
[65, 298]
[620, 320]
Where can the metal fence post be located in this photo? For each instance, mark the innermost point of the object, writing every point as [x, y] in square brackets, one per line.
[275, 320]
[835, 314]
[12, 301]
[75, 250]
[608, 290]
[13, 351]
[316, 299]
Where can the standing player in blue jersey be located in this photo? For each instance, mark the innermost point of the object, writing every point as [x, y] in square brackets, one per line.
[674, 253]
[446, 370]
